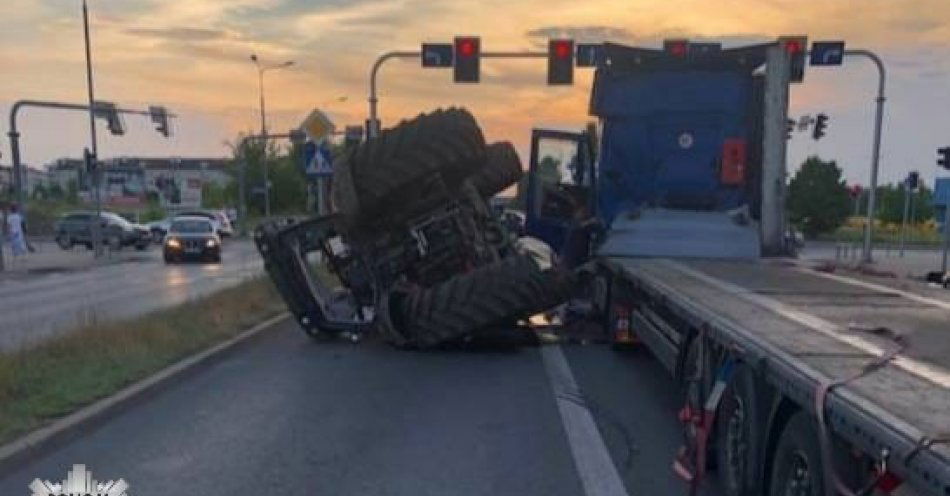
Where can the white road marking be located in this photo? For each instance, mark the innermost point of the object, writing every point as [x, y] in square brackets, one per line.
[595, 468]
[932, 373]
[878, 287]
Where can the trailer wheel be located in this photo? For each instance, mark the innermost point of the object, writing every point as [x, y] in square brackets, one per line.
[502, 169]
[737, 436]
[494, 294]
[797, 468]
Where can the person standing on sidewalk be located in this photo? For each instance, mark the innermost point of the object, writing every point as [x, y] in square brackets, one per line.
[15, 232]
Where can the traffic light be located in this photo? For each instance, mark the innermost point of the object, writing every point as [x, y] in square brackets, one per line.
[796, 48]
[109, 112]
[943, 159]
[90, 160]
[561, 62]
[466, 59]
[821, 123]
[160, 117]
[913, 180]
[789, 128]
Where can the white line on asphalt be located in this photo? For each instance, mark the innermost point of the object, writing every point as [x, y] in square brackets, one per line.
[930, 372]
[595, 468]
[878, 287]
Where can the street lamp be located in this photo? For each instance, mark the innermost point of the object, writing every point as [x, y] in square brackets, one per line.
[261, 69]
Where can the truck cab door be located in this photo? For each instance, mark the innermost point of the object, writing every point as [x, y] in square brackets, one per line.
[560, 181]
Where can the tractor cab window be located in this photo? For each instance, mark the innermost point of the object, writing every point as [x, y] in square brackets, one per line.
[563, 177]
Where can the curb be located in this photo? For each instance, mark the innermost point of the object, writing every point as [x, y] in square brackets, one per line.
[36, 440]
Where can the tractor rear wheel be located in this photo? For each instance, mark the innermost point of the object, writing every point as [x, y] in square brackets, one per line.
[496, 294]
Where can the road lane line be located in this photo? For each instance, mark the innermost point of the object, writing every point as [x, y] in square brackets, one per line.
[594, 465]
[878, 287]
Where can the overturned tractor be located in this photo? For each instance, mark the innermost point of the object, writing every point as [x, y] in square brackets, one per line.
[413, 250]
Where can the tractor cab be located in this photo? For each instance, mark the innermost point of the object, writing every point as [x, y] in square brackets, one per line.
[561, 183]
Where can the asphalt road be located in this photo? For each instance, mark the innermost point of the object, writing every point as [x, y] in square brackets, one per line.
[283, 415]
[36, 307]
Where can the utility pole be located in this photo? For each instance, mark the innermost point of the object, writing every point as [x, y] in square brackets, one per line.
[96, 173]
[261, 69]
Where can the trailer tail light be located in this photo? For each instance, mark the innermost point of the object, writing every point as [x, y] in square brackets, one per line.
[888, 482]
[733, 172]
[622, 331]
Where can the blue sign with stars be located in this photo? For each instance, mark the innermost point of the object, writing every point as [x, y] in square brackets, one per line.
[827, 53]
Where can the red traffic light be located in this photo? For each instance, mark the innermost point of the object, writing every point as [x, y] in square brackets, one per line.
[676, 48]
[562, 48]
[466, 46]
[794, 46]
[466, 61]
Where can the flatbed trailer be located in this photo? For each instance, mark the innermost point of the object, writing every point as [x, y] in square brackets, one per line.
[776, 334]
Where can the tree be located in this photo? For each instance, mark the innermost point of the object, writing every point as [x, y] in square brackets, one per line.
[214, 195]
[890, 204]
[818, 200]
[39, 192]
[72, 192]
[55, 191]
[288, 192]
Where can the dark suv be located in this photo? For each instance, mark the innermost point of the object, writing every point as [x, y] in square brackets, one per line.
[75, 228]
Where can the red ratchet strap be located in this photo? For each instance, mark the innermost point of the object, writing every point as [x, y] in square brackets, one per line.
[833, 484]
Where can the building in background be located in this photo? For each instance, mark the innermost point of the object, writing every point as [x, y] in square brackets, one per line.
[128, 181]
[942, 201]
[33, 179]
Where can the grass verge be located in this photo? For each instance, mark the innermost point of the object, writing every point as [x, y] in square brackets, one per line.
[41, 384]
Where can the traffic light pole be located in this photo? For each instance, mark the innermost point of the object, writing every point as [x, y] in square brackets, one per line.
[242, 172]
[14, 134]
[373, 124]
[904, 219]
[96, 173]
[866, 256]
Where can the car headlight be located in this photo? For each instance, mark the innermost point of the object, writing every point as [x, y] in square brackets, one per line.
[211, 243]
[173, 243]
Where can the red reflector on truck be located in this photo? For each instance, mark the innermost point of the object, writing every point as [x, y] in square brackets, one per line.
[733, 162]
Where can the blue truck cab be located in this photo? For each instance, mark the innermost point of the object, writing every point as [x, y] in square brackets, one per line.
[676, 171]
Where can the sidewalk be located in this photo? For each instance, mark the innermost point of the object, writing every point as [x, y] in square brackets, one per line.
[50, 258]
[911, 268]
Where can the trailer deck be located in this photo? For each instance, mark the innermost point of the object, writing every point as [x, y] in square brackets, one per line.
[804, 327]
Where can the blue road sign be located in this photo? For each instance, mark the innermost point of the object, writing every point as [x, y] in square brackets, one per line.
[437, 55]
[317, 160]
[827, 53]
[589, 54]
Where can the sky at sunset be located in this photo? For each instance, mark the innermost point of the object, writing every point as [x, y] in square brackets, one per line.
[193, 57]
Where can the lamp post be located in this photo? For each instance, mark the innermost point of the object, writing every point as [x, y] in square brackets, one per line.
[261, 69]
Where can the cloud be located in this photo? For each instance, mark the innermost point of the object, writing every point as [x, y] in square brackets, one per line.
[934, 74]
[179, 34]
[915, 24]
[582, 33]
[599, 33]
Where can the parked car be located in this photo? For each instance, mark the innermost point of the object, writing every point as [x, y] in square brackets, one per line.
[158, 228]
[191, 237]
[75, 228]
[219, 218]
